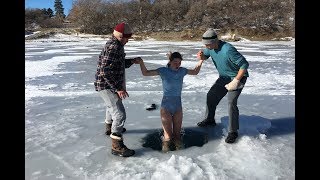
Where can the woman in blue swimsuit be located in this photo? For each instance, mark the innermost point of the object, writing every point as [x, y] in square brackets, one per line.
[171, 108]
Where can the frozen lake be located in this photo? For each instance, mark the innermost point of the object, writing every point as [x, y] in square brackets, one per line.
[64, 115]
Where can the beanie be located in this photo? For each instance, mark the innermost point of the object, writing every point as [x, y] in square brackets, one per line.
[124, 29]
[209, 36]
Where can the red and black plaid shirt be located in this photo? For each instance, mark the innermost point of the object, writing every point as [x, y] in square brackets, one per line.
[111, 67]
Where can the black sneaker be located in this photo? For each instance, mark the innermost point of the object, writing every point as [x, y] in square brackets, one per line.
[207, 122]
[231, 138]
[151, 107]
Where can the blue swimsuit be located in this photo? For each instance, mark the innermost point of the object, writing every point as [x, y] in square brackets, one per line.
[172, 81]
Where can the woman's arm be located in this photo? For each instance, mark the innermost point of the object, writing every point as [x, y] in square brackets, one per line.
[145, 71]
[196, 70]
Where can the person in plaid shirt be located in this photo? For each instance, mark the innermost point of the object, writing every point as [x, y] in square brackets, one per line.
[110, 83]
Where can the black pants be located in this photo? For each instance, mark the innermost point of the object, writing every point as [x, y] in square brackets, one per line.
[214, 96]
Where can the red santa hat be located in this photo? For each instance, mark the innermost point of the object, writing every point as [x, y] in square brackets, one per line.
[124, 29]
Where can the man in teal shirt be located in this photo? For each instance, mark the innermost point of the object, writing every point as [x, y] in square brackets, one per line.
[232, 67]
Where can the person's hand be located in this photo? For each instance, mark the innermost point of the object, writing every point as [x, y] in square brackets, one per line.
[233, 85]
[200, 55]
[122, 94]
[169, 54]
[137, 60]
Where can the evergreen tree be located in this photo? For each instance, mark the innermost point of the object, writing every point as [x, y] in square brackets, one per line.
[50, 12]
[58, 7]
[44, 11]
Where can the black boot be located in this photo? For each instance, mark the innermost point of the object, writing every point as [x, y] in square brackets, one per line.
[231, 138]
[207, 122]
[118, 148]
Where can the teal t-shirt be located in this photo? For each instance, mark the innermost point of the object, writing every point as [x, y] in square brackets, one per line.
[172, 80]
[227, 59]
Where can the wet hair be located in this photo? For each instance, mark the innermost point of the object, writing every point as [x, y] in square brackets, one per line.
[172, 56]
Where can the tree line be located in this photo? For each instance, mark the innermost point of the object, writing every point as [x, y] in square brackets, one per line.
[247, 17]
[36, 18]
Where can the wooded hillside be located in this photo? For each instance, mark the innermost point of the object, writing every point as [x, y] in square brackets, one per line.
[259, 19]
